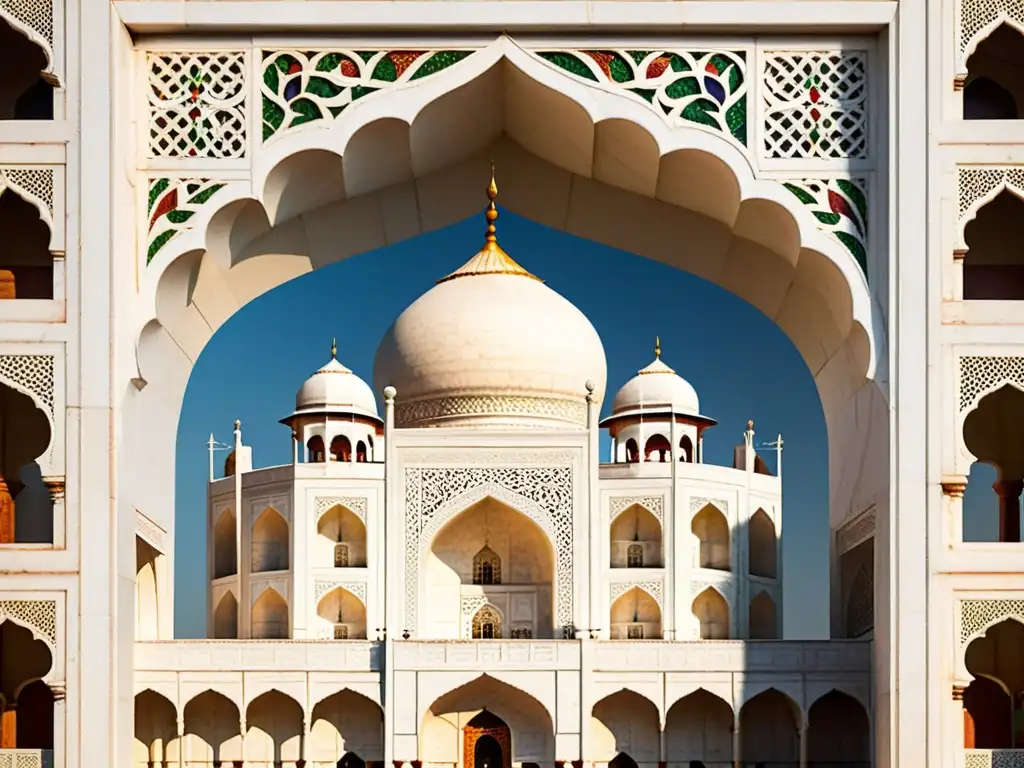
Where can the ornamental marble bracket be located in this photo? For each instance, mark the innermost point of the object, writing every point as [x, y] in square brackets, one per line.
[302, 87]
[840, 207]
[171, 205]
[976, 186]
[697, 87]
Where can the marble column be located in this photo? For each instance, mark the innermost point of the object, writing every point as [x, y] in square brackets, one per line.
[1009, 492]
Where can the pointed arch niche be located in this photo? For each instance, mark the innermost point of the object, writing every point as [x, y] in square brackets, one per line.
[763, 618]
[269, 616]
[770, 730]
[342, 615]
[699, 727]
[225, 617]
[270, 542]
[838, 731]
[636, 539]
[340, 540]
[625, 722]
[27, 701]
[520, 556]
[346, 725]
[225, 553]
[156, 731]
[635, 615]
[147, 605]
[212, 730]
[26, 507]
[274, 730]
[711, 612]
[27, 261]
[764, 546]
[711, 539]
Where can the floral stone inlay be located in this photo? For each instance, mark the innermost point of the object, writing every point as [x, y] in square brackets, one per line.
[172, 203]
[704, 87]
[303, 86]
[841, 208]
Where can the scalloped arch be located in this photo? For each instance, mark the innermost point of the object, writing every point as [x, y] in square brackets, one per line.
[464, 680]
[684, 691]
[43, 207]
[31, 33]
[1012, 181]
[969, 44]
[345, 689]
[643, 588]
[222, 689]
[406, 103]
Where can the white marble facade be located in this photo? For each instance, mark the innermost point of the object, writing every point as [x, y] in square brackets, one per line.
[852, 169]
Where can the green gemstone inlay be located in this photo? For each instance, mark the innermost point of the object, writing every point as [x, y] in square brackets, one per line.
[159, 242]
[569, 63]
[439, 61]
[158, 187]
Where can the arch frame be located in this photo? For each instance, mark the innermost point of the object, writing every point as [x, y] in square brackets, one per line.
[407, 101]
[676, 691]
[967, 45]
[653, 589]
[556, 525]
[433, 686]
[650, 690]
[39, 38]
[293, 689]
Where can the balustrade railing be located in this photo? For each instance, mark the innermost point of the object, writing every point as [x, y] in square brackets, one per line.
[26, 758]
[994, 758]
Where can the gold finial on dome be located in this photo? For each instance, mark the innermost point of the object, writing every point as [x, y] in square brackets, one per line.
[657, 348]
[334, 349]
[491, 259]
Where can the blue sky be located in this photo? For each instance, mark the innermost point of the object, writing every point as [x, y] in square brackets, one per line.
[742, 366]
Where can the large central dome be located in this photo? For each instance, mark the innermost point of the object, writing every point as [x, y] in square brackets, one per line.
[491, 345]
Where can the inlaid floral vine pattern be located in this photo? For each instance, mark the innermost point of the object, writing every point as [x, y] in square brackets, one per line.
[172, 203]
[708, 88]
[841, 208]
[303, 86]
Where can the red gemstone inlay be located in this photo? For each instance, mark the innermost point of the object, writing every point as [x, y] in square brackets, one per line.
[349, 68]
[657, 67]
[167, 203]
[294, 67]
[603, 61]
[815, 95]
[402, 60]
[709, 67]
[815, 114]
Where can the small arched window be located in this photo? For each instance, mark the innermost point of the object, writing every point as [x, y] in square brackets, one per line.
[486, 567]
[632, 451]
[658, 446]
[686, 449]
[487, 624]
[315, 449]
[341, 449]
[361, 452]
[635, 556]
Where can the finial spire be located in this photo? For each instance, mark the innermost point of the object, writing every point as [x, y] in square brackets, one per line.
[657, 347]
[334, 349]
[491, 259]
[492, 210]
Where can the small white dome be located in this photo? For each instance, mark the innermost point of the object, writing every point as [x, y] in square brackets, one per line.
[335, 389]
[657, 387]
[491, 345]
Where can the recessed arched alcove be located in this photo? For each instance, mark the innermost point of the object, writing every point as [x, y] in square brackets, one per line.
[24, 93]
[994, 87]
[993, 268]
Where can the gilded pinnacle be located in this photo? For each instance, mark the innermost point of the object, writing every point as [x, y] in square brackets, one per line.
[334, 349]
[657, 348]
